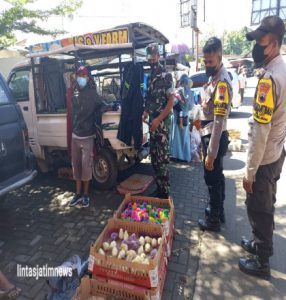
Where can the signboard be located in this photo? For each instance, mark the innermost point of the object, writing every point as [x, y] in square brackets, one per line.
[264, 8]
[111, 37]
[188, 13]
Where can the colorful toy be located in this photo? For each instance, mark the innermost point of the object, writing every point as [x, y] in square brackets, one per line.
[145, 213]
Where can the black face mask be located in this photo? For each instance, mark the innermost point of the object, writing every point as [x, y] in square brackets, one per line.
[258, 54]
[211, 71]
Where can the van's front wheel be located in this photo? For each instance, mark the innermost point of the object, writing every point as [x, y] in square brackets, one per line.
[105, 170]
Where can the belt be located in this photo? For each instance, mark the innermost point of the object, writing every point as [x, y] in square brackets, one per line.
[204, 123]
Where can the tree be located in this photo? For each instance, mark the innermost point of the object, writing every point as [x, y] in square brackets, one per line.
[19, 17]
[205, 36]
[234, 42]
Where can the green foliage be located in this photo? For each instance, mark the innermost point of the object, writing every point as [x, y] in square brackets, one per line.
[189, 57]
[205, 36]
[235, 42]
[20, 18]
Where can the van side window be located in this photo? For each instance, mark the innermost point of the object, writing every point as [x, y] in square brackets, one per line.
[19, 85]
[3, 97]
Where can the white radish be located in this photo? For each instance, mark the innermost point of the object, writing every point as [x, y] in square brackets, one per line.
[125, 235]
[140, 250]
[112, 245]
[137, 259]
[154, 243]
[121, 234]
[148, 239]
[124, 247]
[131, 253]
[121, 254]
[147, 248]
[101, 252]
[141, 240]
[114, 252]
[106, 246]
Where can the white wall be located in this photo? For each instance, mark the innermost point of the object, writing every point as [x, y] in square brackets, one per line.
[6, 64]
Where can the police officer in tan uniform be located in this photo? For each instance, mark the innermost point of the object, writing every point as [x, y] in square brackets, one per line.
[266, 151]
[215, 110]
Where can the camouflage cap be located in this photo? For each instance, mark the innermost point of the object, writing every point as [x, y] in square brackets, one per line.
[152, 50]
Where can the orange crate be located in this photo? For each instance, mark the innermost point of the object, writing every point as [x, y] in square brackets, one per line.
[168, 225]
[125, 271]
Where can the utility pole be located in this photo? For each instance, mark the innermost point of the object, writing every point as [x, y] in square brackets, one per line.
[188, 13]
[194, 26]
[197, 47]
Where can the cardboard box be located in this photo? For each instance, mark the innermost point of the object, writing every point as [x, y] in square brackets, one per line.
[146, 275]
[168, 225]
[99, 288]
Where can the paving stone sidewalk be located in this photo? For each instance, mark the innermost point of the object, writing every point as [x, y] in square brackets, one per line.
[37, 228]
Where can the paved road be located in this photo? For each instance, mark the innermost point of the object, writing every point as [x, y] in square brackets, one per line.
[37, 228]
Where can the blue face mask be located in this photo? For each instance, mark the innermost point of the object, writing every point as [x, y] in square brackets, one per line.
[82, 81]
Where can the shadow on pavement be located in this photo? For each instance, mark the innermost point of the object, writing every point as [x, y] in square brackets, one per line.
[219, 276]
[233, 164]
[239, 114]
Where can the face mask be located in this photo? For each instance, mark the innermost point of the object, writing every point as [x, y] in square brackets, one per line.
[82, 81]
[210, 71]
[258, 54]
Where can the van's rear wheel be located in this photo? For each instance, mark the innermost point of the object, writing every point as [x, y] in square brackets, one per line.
[105, 170]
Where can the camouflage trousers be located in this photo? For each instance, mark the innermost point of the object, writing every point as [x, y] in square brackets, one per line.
[159, 148]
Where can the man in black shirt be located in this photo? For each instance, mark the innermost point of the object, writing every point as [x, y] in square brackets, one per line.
[84, 105]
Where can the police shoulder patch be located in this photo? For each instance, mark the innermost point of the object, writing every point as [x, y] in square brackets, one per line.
[264, 102]
[221, 99]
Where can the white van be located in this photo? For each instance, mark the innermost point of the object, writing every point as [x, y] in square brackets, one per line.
[41, 87]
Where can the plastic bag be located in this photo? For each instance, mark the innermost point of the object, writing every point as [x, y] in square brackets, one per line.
[195, 144]
[63, 288]
[196, 113]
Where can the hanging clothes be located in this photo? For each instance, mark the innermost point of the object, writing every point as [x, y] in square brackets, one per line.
[54, 84]
[130, 126]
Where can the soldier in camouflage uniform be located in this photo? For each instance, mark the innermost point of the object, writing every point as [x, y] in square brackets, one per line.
[158, 106]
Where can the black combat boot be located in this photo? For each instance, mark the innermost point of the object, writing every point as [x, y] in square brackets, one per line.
[163, 195]
[249, 246]
[155, 193]
[159, 194]
[256, 266]
[221, 215]
[210, 223]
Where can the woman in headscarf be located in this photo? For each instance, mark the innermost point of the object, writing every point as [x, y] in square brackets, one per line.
[180, 145]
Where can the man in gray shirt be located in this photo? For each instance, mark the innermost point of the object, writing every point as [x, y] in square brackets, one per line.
[266, 152]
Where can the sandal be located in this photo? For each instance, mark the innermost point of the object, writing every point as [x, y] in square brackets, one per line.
[12, 292]
[3, 294]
